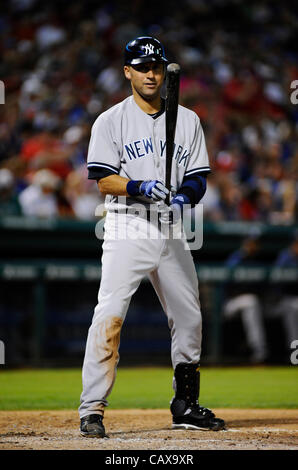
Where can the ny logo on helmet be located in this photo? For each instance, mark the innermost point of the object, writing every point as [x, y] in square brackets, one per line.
[149, 49]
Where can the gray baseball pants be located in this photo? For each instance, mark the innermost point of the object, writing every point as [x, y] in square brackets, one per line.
[127, 259]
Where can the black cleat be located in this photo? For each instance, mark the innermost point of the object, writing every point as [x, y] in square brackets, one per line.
[185, 408]
[92, 426]
[194, 417]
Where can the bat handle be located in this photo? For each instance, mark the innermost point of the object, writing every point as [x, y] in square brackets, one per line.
[167, 199]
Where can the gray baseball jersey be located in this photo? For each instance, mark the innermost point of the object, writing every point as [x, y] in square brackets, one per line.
[127, 141]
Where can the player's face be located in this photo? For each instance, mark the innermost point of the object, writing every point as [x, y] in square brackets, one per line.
[146, 79]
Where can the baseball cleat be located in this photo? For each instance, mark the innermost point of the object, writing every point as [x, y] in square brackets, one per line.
[92, 426]
[194, 428]
[194, 417]
[185, 408]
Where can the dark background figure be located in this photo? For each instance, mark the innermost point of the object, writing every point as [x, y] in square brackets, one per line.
[287, 306]
[243, 299]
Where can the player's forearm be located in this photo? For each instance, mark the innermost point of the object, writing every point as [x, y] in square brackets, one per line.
[118, 186]
[114, 185]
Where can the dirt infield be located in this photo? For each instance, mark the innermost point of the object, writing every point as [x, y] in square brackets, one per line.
[149, 429]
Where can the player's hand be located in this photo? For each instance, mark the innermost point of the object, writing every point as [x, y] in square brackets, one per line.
[154, 189]
[170, 215]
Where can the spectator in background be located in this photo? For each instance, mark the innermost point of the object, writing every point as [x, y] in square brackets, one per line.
[211, 200]
[9, 204]
[46, 149]
[60, 69]
[39, 198]
[230, 198]
[81, 194]
[244, 299]
[75, 138]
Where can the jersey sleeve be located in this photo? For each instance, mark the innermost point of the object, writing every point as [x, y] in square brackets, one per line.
[198, 163]
[103, 158]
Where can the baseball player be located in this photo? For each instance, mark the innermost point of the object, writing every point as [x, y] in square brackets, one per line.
[126, 157]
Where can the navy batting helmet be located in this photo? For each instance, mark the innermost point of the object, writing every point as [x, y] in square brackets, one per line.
[144, 49]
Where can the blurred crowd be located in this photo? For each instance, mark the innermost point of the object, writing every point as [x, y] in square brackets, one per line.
[61, 64]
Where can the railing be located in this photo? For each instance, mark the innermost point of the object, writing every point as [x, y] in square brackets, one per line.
[64, 250]
[41, 273]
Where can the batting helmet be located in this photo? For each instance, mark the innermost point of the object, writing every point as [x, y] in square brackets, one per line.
[144, 49]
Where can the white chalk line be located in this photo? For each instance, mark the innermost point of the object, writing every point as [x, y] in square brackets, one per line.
[273, 430]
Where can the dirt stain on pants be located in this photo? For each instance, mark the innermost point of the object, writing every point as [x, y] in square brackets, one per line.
[100, 364]
[107, 345]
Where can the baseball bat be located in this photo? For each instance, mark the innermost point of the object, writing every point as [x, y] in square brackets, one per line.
[172, 98]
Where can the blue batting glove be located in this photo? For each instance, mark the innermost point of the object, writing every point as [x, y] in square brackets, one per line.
[154, 189]
[174, 212]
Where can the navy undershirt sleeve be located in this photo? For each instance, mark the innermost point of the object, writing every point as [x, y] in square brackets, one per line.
[98, 173]
[194, 187]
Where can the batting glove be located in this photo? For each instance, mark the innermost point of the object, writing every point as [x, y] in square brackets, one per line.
[173, 213]
[154, 189]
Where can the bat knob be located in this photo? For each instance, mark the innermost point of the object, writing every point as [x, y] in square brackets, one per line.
[173, 68]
